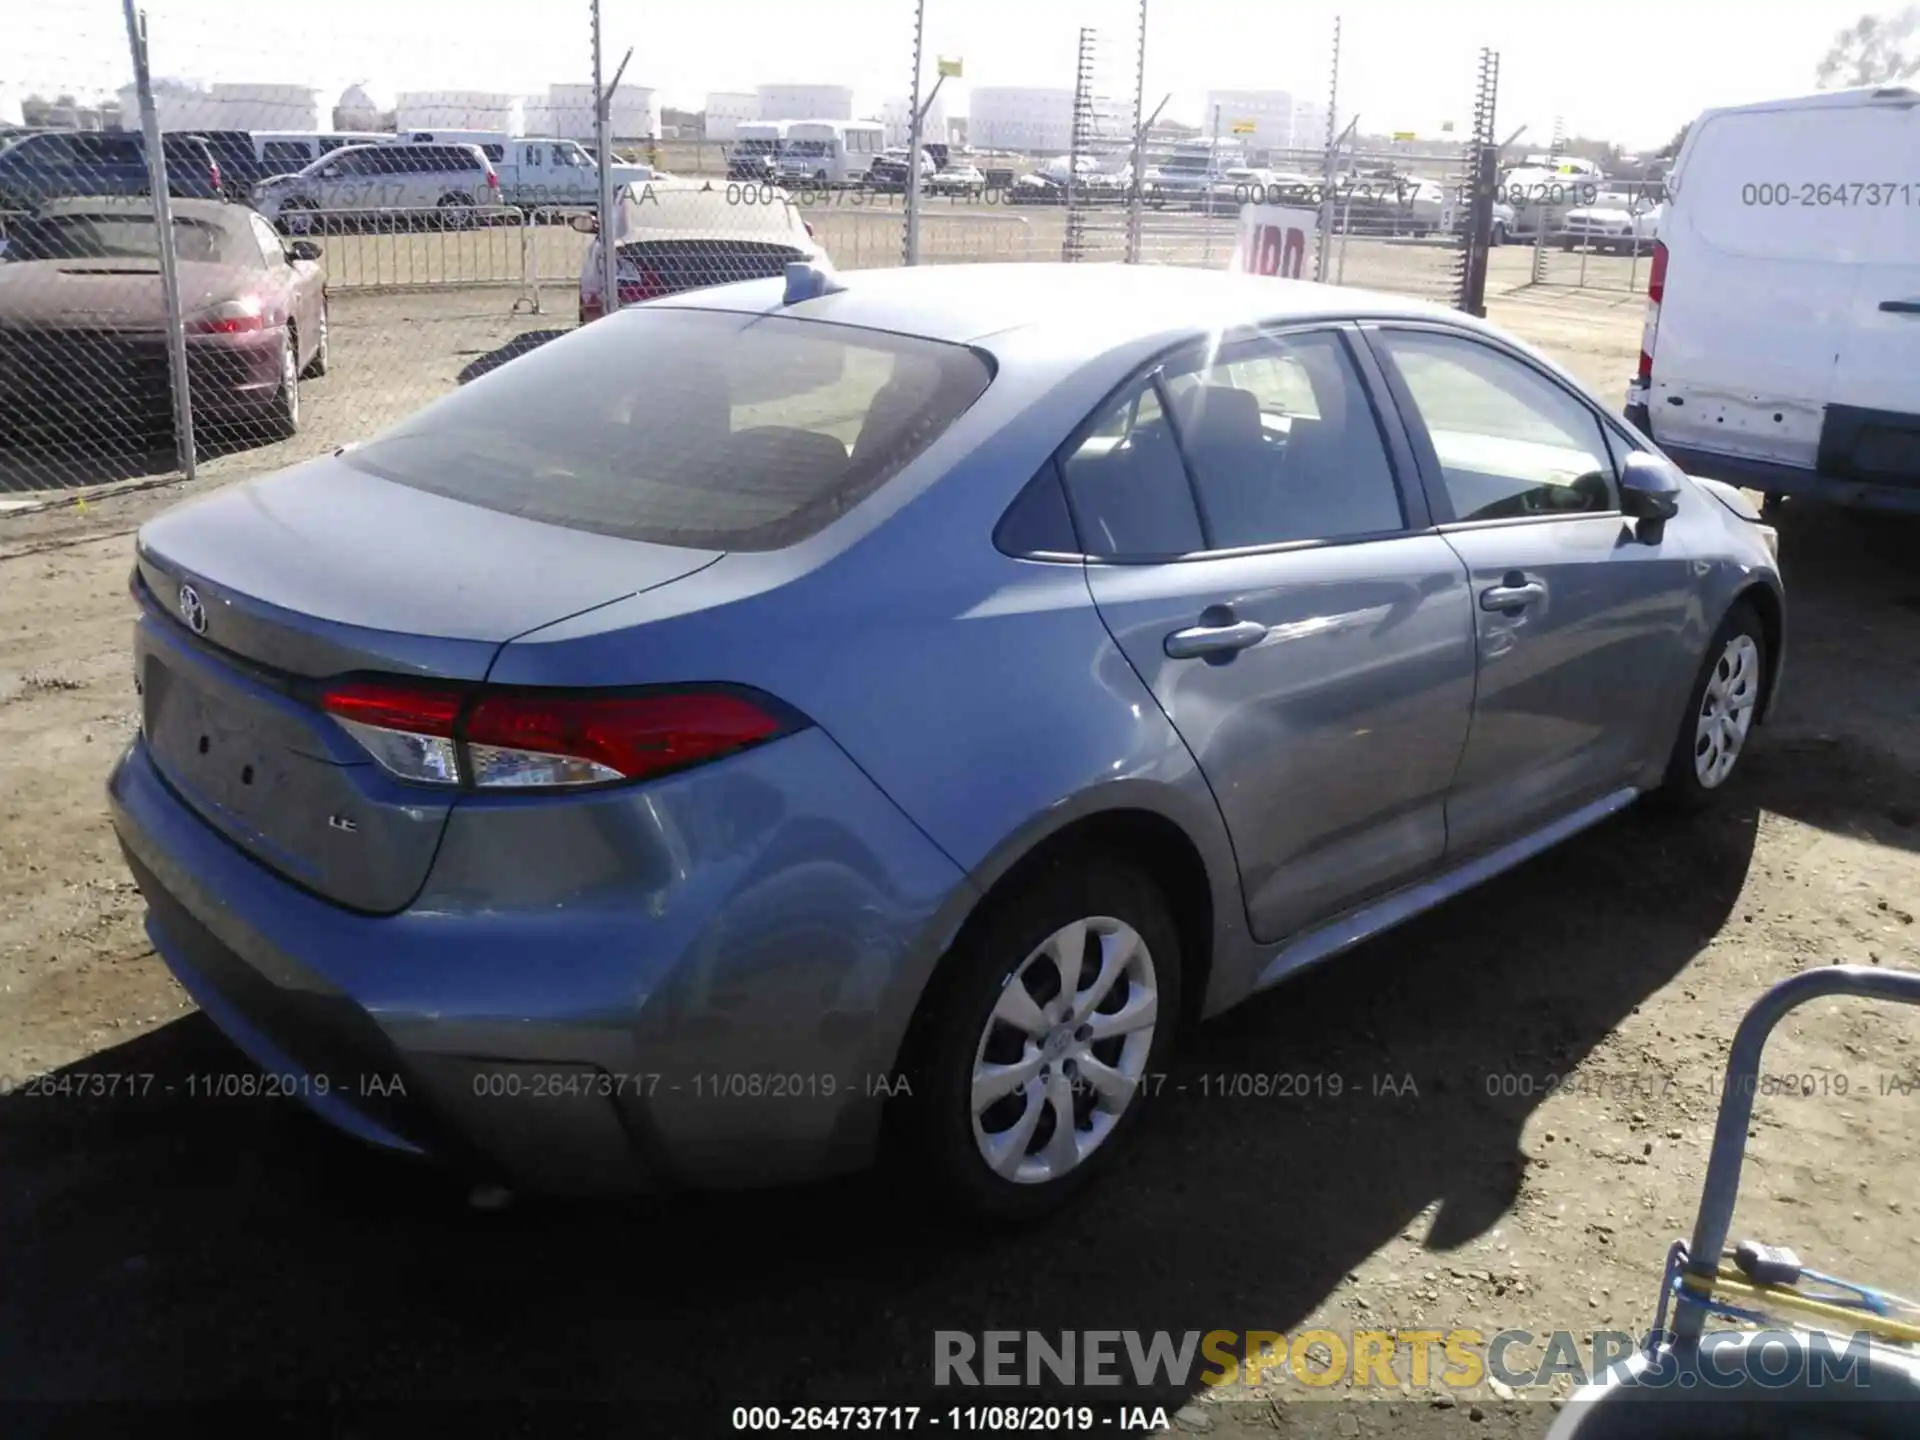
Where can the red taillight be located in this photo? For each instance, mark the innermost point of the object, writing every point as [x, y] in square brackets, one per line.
[216, 176]
[611, 738]
[500, 739]
[637, 284]
[1656, 289]
[493, 181]
[230, 318]
[395, 707]
[230, 324]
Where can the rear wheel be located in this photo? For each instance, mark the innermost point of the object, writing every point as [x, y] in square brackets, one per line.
[1720, 711]
[322, 352]
[283, 411]
[456, 211]
[1033, 1051]
[1499, 235]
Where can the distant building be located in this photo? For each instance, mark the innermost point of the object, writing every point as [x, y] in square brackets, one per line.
[458, 110]
[1040, 120]
[635, 113]
[189, 105]
[358, 109]
[897, 115]
[726, 109]
[806, 102]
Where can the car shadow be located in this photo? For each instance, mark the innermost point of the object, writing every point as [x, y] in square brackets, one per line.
[103, 458]
[1840, 751]
[516, 347]
[240, 1248]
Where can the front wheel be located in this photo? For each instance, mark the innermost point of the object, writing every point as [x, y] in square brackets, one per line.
[1499, 235]
[1721, 709]
[1037, 1047]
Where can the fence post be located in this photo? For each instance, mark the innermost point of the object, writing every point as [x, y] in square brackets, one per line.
[910, 242]
[181, 382]
[1486, 177]
[1136, 187]
[1333, 150]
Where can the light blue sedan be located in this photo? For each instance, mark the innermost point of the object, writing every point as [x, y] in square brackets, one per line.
[808, 719]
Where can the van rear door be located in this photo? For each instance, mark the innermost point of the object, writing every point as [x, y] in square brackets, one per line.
[1791, 224]
[1872, 431]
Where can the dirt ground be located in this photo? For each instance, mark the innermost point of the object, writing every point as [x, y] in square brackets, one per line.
[1562, 1029]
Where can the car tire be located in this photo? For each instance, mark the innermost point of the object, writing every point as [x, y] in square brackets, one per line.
[1498, 236]
[283, 410]
[1722, 705]
[1005, 966]
[455, 211]
[297, 217]
[322, 348]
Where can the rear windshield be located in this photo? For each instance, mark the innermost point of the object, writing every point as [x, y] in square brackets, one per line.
[113, 237]
[687, 427]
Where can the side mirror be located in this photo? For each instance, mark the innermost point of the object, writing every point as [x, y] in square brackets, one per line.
[586, 224]
[303, 250]
[1649, 493]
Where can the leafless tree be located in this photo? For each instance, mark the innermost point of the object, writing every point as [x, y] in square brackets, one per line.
[1874, 50]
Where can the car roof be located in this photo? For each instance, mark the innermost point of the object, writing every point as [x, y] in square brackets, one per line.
[966, 303]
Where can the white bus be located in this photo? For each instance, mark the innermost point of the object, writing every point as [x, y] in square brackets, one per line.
[756, 149]
[829, 152]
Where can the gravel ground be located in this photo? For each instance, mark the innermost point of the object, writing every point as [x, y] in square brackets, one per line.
[1561, 1028]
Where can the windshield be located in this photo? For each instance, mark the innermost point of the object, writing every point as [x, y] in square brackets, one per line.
[110, 237]
[687, 427]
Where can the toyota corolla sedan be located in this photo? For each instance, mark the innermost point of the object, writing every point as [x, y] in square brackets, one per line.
[827, 717]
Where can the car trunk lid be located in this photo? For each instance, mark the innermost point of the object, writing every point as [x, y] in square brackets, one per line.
[256, 595]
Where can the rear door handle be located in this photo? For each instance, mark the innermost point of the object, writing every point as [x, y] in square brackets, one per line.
[1214, 639]
[1901, 307]
[1512, 597]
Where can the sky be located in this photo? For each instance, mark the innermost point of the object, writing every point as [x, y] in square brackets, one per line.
[1631, 71]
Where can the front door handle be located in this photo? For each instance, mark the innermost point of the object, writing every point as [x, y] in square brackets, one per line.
[1515, 595]
[1214, 639]
[1901, 307]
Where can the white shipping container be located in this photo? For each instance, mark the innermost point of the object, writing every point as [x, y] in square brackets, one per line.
[458, 110]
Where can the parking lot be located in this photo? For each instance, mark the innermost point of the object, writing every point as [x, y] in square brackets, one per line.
[1562, 1030]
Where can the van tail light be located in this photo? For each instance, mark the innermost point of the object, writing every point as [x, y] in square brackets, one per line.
[501, 739]
[1650, 329]
[493, 181]
[216, 177]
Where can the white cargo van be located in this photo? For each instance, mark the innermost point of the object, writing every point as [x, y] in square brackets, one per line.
[1782, 343]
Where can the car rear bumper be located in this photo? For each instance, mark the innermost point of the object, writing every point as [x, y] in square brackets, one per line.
[701, 982]
[67, 379]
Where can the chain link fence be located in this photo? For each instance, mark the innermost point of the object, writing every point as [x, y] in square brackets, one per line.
[327, 263]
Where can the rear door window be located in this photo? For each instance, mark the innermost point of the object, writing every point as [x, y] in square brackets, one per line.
[1283, 444]
[1127, 486]
[687, 427]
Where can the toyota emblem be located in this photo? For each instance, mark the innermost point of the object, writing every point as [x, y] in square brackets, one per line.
[192, 611]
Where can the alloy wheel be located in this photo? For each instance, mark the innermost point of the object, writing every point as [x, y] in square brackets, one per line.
[1064, 1050]
[1726, 711]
